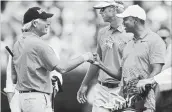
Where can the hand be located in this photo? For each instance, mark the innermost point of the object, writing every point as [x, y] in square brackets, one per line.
[88, 57]
[81, 94]
[116, 102]
[142, 83]
[97, 60]
[54, 75]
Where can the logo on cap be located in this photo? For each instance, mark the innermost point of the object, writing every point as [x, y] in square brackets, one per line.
[40, 11]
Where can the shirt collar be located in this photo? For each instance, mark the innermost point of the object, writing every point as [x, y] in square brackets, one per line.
[30, 34]
[144, 34]
[120, 28]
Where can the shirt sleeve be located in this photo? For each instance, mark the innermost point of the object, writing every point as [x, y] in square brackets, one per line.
[48, 57]
[157, 51]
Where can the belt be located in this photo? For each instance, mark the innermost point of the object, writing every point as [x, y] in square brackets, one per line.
[30, 91]
[108, 85]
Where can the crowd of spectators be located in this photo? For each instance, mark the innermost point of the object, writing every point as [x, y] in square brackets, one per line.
[74, 26]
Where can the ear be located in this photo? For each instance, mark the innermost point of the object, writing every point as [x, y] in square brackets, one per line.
[135, 21]
[34, 23]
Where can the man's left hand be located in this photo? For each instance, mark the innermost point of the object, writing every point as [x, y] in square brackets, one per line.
[141, 85]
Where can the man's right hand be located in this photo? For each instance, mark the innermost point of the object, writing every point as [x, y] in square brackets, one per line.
[90, 57]
[81, 94]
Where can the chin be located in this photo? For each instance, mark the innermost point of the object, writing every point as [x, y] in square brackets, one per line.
[44, 33]
[104, 20]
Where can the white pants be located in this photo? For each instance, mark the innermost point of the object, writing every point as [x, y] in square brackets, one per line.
[30, 102]
[14, 103]
[102, 98]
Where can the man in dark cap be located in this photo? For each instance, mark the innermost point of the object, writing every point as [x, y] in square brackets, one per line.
[34, 60]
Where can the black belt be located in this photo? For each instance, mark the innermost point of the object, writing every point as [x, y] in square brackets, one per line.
[109, 85]
[30, 91]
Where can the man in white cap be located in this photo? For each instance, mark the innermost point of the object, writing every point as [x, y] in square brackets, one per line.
[111, 40]
[33, 61]
[143, 56]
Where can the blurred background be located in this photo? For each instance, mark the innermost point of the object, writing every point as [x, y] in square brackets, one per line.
[73, 31]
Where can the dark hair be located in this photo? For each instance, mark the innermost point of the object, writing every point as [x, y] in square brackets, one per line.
[118, 9]
[119, 2]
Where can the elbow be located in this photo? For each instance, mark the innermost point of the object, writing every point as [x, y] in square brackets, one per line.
[62, 71]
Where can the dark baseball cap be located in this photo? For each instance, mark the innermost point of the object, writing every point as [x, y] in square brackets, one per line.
[35, 13]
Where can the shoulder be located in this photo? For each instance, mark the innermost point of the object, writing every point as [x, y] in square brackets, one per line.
[41, 45]
[126, 37]
[154, 38]
[16, 43]
[104, 29]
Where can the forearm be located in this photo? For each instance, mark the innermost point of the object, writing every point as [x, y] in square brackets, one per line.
[113, 73]
[65, 67]
[152, 81]
[91, 73]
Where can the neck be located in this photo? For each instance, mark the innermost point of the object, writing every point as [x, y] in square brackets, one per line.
[139, 30]
[35, 32]
[168, 43]
[116, 22]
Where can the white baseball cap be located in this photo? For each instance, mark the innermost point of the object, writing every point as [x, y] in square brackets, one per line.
[106, 4]
[134, 11]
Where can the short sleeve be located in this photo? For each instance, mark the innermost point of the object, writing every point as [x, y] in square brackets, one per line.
[157, 51]
[48, 57]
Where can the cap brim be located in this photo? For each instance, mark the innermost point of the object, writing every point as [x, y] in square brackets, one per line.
[46, 15]
[101, 5]
[121, 15]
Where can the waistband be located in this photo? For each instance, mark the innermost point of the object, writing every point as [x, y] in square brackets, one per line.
[30, 91]
[108, 85]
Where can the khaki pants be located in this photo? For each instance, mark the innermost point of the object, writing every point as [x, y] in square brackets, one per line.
[14, 103]
[102, 97]
[31, 102]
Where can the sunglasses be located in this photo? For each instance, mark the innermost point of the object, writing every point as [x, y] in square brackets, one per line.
[102, 9]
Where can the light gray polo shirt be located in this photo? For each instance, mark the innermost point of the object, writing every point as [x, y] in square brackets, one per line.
[138, 55]
[111, 42]
[33, 60]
